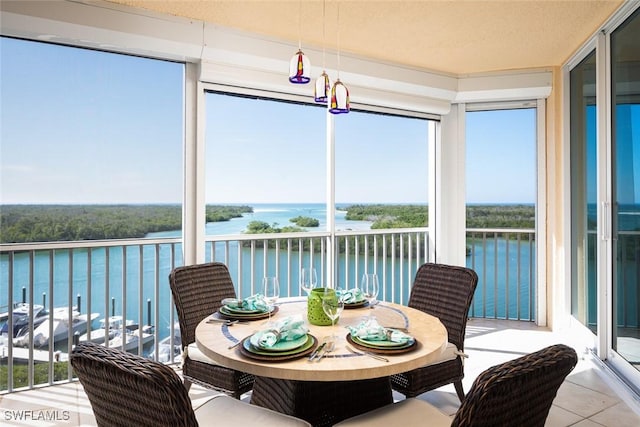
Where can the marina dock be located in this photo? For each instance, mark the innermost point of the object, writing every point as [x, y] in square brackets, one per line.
[21, 355]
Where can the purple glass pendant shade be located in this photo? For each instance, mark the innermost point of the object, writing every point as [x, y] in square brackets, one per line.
[323, 88]
[299, 69]
[339, 99]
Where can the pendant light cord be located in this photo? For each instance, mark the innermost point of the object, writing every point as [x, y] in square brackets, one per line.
[300, 25]
[324, 4]
[338, 33]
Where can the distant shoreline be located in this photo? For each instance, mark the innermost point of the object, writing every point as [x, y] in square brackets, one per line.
[73, 222]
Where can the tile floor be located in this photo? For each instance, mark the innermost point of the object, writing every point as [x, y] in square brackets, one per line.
[588, 397]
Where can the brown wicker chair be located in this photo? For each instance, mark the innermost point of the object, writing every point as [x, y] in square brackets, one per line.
[515, 393]
[129, 390]
[446, 292]
[197, 292]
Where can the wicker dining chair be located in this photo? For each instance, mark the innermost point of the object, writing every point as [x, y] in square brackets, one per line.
[125, 389]
[519, 392]
[197, 293]
[444, 291]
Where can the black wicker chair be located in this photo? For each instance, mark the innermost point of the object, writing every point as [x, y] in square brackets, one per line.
[129, 390]
[197, 293]
[515, 393]
[446, 292]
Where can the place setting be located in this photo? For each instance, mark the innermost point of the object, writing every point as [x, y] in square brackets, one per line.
[352, 298]
[281, 340]
[363, 296]
[370, 336]
[254, 307]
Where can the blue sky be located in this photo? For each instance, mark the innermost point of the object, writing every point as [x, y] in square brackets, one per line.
[281, 153]
[76, 127]
[81, 126]
[501, 156]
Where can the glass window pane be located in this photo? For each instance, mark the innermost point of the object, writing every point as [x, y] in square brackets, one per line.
[381, 159]
[382, 181]
[625, 58]
[584, 192]
[501, 194]
[268, 155]
[501, 156]
[83, 127]
[91, 150]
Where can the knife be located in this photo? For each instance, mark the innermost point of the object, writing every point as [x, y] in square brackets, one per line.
[317, 351]
[374, 356]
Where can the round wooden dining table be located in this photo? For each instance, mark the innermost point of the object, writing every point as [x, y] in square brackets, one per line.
[341, 384]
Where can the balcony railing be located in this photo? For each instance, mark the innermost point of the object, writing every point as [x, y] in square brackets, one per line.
[505, 262]
[129, 278]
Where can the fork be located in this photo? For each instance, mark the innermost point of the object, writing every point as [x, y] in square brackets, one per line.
[366, 353]
[223, 321]
[240, 341]
[397, 328]
[331, 345]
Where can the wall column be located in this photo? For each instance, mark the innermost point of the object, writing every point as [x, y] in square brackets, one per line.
[447, 211]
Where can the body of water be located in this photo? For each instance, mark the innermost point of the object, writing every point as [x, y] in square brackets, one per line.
[278, 214]
[104, 276]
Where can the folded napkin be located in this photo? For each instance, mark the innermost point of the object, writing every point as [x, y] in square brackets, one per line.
[254, 302]
[288, 329]
[370, 330]
[351, 296]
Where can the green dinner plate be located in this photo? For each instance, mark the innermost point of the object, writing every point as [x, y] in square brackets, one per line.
[381, 344]
[280, 346]
[245, 316]
[405, 348]
[241, 310]
[358, 304]
[308, 342]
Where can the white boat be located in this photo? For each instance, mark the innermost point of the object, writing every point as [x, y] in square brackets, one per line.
[20, 318]
[58, 323]
[131, 337]
[164, 347]
[98, 336]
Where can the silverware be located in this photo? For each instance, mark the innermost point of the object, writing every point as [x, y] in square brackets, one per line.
[366, 353]
[397, 328]
[240, 341]
[328, 348]
[236, 344]
[316, 351]
[225, 321]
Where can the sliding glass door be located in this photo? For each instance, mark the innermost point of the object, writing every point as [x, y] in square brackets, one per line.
[625, 178]
[605, 196]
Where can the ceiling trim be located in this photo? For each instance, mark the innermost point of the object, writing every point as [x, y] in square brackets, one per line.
[505, 87]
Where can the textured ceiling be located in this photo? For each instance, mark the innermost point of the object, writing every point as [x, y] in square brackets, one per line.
[450, 36]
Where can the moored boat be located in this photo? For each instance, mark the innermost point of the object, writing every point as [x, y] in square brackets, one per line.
[20, 318]
[165, 349]
[98, 336]
[130, 338]
[56, 328]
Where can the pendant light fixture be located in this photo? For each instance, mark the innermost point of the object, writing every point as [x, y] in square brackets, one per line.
[323, 84]
[339, 103]
[299, 66]
[339, 98]
[323, 88]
